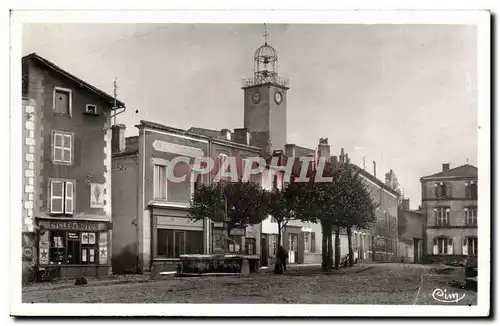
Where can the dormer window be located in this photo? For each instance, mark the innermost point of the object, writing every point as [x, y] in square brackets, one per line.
[91, 109]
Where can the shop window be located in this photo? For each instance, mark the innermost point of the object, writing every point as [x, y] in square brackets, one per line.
[234, 243]
[73, 248]
[88, 247]
[61, 197]
[57, 247]
[173, 243]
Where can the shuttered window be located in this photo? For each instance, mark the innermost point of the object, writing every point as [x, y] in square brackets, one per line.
[443, 246]
[62, 194]
[442, 216]
[313, 242]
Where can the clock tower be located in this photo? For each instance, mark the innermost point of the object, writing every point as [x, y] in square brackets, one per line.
[265, 99]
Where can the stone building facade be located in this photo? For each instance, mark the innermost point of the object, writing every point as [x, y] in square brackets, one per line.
[67, 154]
[449, 203]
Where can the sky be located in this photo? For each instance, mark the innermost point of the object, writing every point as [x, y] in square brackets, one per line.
[404, 96]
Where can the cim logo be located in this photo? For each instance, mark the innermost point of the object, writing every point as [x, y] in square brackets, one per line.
[443, 296]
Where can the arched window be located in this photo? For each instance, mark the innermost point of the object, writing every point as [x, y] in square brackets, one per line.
[442, 246]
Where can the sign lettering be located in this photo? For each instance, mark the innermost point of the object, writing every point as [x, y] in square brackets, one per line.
[70, 225]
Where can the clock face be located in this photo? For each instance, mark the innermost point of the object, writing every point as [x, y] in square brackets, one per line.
[256, 97]
[278, 97]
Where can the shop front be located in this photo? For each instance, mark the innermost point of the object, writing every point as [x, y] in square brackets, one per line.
[74, 248]
[174, 234]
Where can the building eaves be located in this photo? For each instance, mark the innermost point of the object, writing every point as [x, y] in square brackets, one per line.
[65, 73]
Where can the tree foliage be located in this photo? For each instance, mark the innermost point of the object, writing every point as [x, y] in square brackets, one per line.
[238, 204]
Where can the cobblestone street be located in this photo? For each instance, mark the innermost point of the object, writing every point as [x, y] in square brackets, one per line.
[364, 284]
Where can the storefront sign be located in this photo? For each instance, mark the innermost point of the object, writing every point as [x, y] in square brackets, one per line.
[237, 231]
[162, 146]
[71, 225]
[97, 195]
[73, 236]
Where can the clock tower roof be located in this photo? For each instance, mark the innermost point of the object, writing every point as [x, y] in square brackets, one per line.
[265, 66]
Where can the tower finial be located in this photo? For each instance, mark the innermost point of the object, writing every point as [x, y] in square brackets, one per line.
[266, 34]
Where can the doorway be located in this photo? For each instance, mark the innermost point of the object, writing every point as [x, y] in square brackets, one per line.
[264, 251]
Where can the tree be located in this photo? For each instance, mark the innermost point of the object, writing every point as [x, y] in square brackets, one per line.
[283, 204]
[358, 206]
[237, 204]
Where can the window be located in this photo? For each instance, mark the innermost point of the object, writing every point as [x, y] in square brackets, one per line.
[88, 247]
[62, 147]
[160, 182]
[62, 101]
[75, 248]
[173, 243]
[442, 216]
[91, 109]
[250, 246]
[471, 215]
[471, 189]
[180, 192]
[273, 244]
[442, 190]
[222, 161]
[470, 246]
[57, 247]
[443, 246]
[61, 197]
[307, 241]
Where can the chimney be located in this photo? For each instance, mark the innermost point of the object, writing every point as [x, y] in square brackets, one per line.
[323, 148]
[290, 150]
[347, 159]
[118, 138]
[242, 136]
[406, 204]
[226, 133]
[374, 169]
[342, 157]
[446, 167]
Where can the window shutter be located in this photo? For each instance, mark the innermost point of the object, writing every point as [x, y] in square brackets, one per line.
[313, 242]
[435, 247]
[448, 191]
[448, 212]
[56, 197]
[436, 190]
[435, 216]
[464, 247]
[68, 208]
[450, 246]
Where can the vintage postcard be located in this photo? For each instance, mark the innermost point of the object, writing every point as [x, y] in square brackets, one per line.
[314, 160]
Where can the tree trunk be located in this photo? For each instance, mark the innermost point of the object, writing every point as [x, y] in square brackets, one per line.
[330, 248]
[278, 266]
[324, 248]
[337, 248]
[349, 242]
